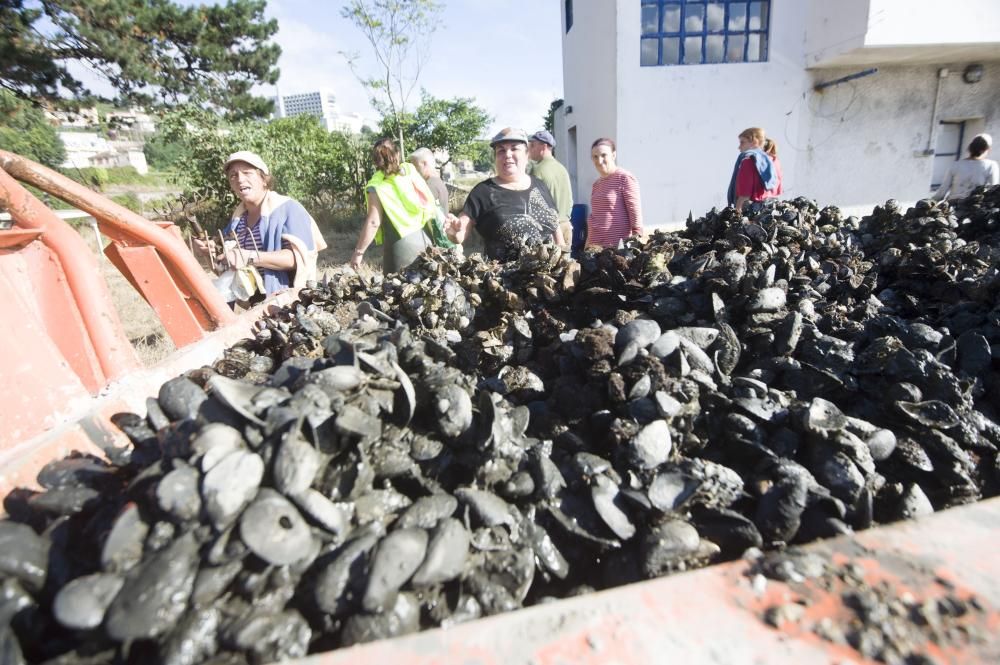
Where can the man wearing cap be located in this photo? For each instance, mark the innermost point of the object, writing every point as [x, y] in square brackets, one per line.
[511, 210]
[423, 160]
[547, 168]
[274, 233]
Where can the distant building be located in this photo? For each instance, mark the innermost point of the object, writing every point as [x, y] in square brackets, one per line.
[86, 149]
[348, 123]
[134, 158]
[81, 118]
[133, 119]
[321, 104]
[867, 99]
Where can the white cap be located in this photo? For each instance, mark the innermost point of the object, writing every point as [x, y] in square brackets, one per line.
[986, 137]
[251, 158]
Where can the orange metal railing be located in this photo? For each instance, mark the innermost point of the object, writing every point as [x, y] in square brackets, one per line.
[153, 258]
[61, 340]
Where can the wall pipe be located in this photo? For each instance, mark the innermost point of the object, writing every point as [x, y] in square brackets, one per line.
[845, 79]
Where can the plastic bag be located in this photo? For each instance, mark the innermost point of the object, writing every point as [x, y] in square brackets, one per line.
[247, 282]
[240, 284]
[224, 285]
[435, 229]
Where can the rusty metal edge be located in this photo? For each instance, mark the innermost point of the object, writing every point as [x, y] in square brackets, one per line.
[715, 615]
[85, 426]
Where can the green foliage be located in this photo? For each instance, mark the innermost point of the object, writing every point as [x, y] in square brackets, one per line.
[162, 153]
[480, 154]
[23, 130]
[318, 168]
[100, 177]
[95, 177]
[399, 32]
[130, 201]
[442, 124]
[146, 49]
[550, 117]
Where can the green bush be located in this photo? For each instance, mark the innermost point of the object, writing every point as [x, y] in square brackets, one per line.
[130, 201]
[95, 177]
[24, 130]
[99, 177]
[318, 168]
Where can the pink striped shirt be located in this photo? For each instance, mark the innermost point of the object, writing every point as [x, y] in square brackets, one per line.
[615, 209]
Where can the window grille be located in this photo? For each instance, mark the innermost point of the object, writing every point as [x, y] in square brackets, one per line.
[702, 32]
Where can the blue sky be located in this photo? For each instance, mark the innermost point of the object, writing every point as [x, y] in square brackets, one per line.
[504, 53]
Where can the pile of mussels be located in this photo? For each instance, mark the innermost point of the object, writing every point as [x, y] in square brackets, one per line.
[467, 437]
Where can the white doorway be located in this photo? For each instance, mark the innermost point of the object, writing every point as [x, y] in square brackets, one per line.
[948, 148]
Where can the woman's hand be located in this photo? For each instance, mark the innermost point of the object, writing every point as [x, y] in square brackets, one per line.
[204, 246]
[456, 227]
[356, 258]
[235, 257]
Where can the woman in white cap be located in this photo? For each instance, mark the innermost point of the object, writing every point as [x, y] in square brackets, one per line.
[512, 209]
[964, 175]
[274, 233]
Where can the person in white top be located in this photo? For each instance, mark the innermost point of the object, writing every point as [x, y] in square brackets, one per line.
[965, 175]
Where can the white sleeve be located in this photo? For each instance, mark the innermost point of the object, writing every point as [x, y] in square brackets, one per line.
[942, 191]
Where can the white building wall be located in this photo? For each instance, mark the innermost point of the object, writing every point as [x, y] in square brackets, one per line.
[871, 31]
[872, 139]
[904, 22]
[834, 28]
[589, 71]
[854, 144]
[678, 125]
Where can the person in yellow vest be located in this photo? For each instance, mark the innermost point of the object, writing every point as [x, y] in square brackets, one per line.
[399, 204]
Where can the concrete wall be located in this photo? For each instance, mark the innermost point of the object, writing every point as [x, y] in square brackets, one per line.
[904, 22]
[855, 32]
[868, 139]
[590, 85]
[834, 28]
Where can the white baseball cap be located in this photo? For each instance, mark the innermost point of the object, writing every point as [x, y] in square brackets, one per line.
[251, 158]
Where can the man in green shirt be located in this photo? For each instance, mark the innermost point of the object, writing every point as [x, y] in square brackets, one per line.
[546, 168]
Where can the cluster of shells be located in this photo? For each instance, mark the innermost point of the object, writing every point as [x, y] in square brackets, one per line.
[468, 437]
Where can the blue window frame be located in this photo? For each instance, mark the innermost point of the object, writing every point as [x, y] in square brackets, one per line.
[569, 14]
[702, 32]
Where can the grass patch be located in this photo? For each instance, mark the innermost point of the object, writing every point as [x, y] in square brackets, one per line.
[100, 178]
[130, 200]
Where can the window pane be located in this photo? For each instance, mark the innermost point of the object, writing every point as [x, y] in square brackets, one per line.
[737, 16]
[734, 53]
[713, 48]
[694, 17]
[758, 15]
[671, 18]
[692, 50]
[649, 52]
[716, 17]
[671, 50]
[755, 44]
[649, 23]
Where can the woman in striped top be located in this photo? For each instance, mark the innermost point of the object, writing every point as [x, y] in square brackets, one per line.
[274, 233]
[615, 207]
